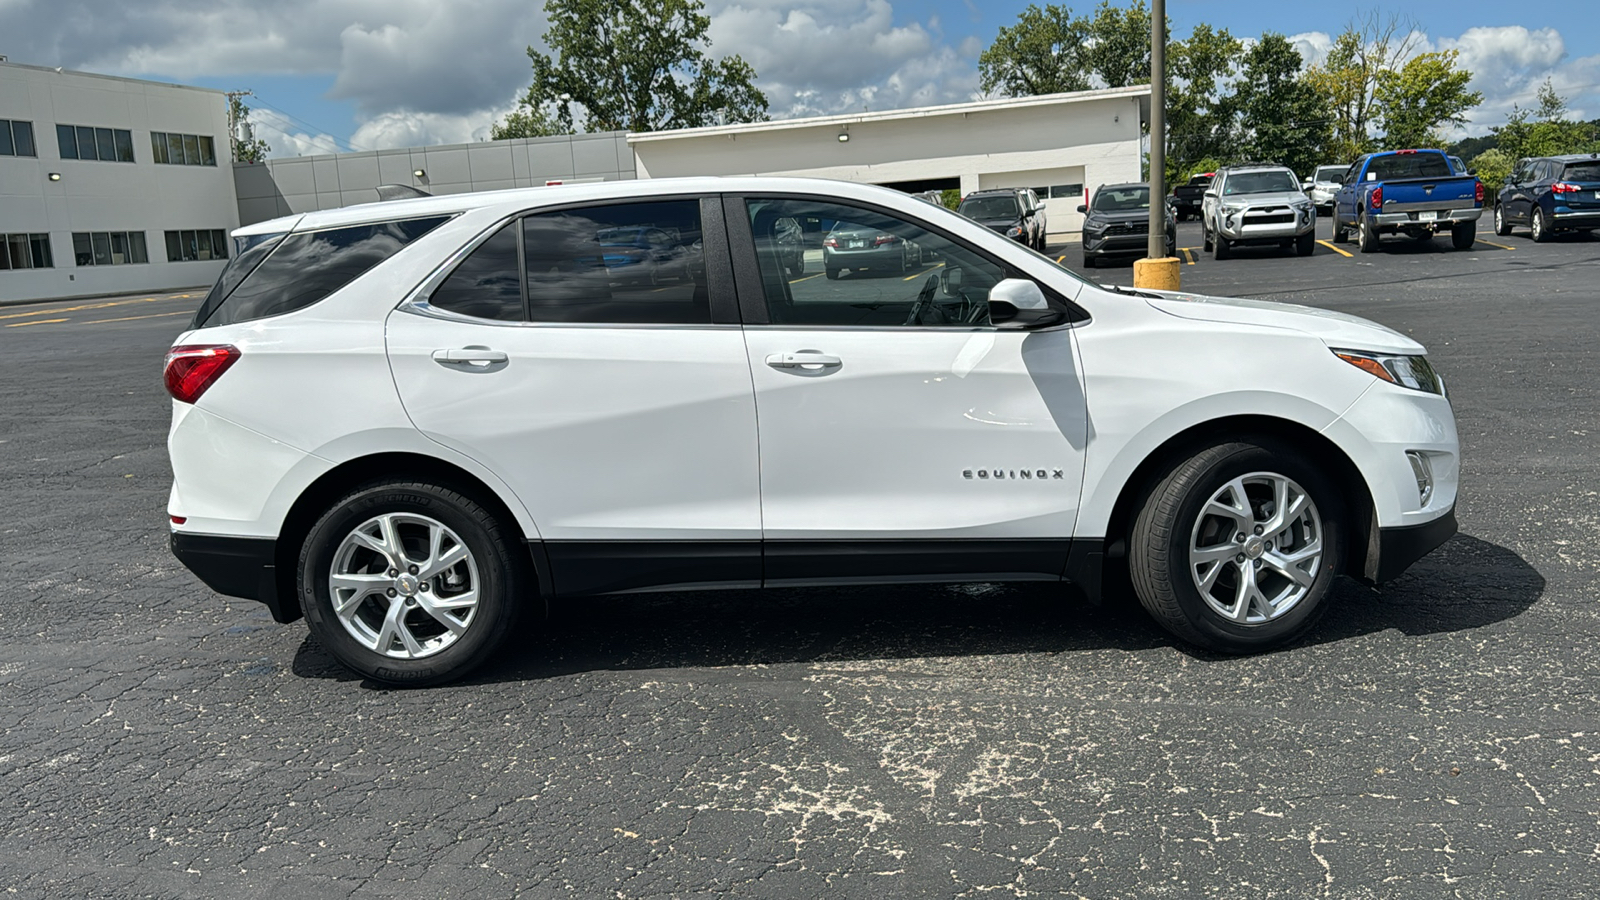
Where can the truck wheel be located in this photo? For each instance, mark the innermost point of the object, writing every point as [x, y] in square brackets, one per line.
[1501, 226]
[1224, 247]
[1237, 548]
[1366, 235]
[1540, 228]
[1463, 234]
[1205, 236]
[1306, 244]
[1340, 235]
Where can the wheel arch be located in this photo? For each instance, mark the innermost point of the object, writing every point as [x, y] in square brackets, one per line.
[1362, 526]
[351, 474]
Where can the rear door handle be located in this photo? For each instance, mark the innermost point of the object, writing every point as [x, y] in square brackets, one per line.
[803, 359]
[469, 356]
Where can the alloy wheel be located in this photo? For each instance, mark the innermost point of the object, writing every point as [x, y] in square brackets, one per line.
[404, 585]
[1256, 548]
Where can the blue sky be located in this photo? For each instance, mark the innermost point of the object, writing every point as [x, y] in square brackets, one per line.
[342, 74]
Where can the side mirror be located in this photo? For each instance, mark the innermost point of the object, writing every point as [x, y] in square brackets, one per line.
[1473, 172]
[1083, 207]
[1211, 195]
[1306, 185]
[1017, 303]
[950, 281]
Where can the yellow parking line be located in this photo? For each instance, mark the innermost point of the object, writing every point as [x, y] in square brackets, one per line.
[1493, 244]
[105, 305]
[922, 273]
[1343, 253]
[807, 278]
[35, 322]
[1061, 258]
[181, 312]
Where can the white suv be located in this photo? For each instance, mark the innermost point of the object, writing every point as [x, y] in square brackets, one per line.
[414, 422]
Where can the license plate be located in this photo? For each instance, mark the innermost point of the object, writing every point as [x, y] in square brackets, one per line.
[1427, 216]
[857, 245]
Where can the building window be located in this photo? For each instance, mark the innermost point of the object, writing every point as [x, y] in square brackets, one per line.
[16, 138]
[104, 144]
[183, 149]
[109, 248]
[25, 251]
[196, 246]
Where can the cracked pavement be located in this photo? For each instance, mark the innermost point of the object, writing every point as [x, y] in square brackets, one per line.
[1440, 737]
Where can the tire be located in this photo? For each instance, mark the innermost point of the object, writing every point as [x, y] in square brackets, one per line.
[1178, 524]
[1090, 262]
[833, 274]
[1366, 235]
[1340, 235]
[1501, 226]
[1205, 237]
[799, 267]
[1306, 244]
[1223, 247]
[420, 649]
[1541, 228]
[1463, 235]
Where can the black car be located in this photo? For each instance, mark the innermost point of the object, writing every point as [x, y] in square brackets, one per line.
[1551, 194]
[1186, 198]
[1007, 211]
[1117, 223]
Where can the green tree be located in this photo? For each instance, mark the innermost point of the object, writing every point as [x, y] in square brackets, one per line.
[1200, 115]
[1347, 80]
[1414, 100]
[637, 65]
[1280, 112]
[1546, 132]
[1052, 50]
[526, 121]
[246, 146]
[1493, 167]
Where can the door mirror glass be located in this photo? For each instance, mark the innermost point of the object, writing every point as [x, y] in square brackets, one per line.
[950, 281]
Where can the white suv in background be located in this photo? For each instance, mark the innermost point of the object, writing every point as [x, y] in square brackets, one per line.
[414, 422]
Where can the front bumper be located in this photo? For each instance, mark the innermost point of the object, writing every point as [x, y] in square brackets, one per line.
[1321, 197]
[1120, 244]
[1398, 548]
[236, 567]
[1238, 229]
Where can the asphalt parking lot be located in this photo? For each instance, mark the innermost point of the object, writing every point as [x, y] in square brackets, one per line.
[1438, 737]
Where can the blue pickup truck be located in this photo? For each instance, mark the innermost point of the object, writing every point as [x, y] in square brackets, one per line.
[1412, 192]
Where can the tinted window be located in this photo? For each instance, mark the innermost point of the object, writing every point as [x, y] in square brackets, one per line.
[878, 270]
[486, 283]
[629, 263]
[1330, 173]
[989, 208]
[1409, 165]
[67, 138]
[1584, 171]
[301, 269]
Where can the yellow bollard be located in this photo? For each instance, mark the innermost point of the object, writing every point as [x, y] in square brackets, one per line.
[1157, 274]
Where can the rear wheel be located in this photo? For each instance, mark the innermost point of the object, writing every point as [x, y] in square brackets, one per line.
[1237, 548]
[1541, 228]
[411, 583]
[1366, 235]
[833, 274]
[1306, 244]
[1463, 235]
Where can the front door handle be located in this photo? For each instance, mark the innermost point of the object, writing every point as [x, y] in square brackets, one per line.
[804, 359]
[469, 356]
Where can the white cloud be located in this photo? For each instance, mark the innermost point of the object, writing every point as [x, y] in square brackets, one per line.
[1313, 47]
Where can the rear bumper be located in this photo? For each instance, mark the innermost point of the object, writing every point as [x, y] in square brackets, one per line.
[1399, 547]
[1577, 219]
[1446, 217]
[236, 567]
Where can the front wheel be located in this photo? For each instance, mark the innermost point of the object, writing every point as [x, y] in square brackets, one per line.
[1305, 244]
[1340, 234]
[1501, 226]
[1237, 548]
[411, 583]
[1224, 247]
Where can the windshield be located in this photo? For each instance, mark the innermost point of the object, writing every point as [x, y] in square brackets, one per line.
[1331, 173]
[989, 208]
[1259, 183]
[1584, 171]
[1122, 199]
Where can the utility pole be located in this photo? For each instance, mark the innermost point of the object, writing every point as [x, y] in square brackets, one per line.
[1157, 270]
[234, 98]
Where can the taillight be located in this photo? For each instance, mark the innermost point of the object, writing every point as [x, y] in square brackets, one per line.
[830, 242]
[1377, 198]
[192, 368]
[882, 239]
[1477, 191]
[1562, 187]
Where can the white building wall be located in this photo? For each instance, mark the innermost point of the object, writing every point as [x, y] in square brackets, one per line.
[1088, 138]
[110, 196]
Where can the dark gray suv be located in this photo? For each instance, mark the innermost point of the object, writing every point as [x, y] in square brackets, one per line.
[1117, 224]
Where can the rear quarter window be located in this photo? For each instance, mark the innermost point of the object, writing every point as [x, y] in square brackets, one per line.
[291, 272]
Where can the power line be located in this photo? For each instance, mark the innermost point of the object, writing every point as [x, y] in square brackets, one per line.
[316, 132]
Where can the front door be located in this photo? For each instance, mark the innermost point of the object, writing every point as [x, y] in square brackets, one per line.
[595, 378]
[902, 436]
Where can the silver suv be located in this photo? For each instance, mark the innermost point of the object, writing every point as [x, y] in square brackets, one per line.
[1257, 203]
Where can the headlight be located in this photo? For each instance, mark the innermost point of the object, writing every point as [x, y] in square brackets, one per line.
[1414, 372]
[1013, 231]
[1091, 225]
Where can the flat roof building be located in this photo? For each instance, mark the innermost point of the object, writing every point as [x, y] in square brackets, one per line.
[110, 185]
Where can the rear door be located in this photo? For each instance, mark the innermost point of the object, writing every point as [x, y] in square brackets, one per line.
[902, 436]
[592, 357]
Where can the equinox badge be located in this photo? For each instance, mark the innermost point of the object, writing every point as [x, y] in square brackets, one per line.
[1013, 474]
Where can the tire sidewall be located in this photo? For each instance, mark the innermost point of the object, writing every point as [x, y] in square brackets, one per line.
[1221, 633]
[498, 581]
